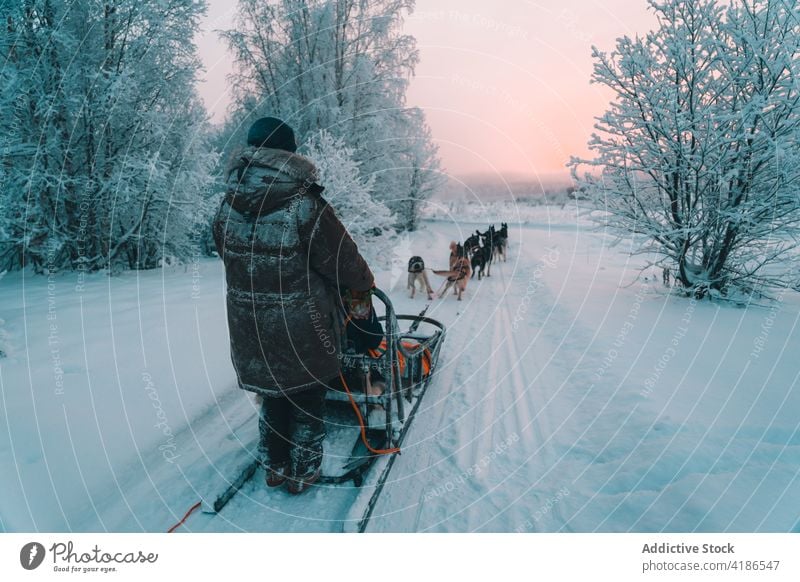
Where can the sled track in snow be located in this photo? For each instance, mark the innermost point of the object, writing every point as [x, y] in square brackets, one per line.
[505, 393]
[529, 403]
[511, 404]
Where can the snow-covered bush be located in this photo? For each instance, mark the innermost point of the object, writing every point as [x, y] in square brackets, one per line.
[700, 148]
[102, 136]
[369, 222]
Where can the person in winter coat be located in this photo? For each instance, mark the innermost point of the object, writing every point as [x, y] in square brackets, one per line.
[286, 255]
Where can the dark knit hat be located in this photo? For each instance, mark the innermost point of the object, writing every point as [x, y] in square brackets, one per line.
[269, 132]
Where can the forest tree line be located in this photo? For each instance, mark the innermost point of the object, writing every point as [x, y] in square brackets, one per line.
[109, 161]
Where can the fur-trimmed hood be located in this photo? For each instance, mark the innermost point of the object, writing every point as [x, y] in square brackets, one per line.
[263, 179]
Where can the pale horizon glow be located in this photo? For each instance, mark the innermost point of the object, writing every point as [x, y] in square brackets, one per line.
[504, 85]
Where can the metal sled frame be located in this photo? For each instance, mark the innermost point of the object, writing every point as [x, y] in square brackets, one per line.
[403, 387]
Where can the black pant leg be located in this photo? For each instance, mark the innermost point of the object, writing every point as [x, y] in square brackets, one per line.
[274, 426]
[308, 430]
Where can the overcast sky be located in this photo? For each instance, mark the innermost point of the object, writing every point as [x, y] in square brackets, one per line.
[504, 83]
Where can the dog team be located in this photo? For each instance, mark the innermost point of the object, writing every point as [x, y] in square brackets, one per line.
[476, 255]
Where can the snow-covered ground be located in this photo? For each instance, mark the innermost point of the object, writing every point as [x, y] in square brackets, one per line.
[568, 399]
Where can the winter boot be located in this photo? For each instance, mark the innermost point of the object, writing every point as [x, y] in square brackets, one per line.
[306, 467]
[277, 475]
[297, 485]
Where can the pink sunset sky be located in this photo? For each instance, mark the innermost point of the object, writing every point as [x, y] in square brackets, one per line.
[504, 84]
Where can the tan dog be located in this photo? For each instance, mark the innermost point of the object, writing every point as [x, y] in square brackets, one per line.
[459, 273]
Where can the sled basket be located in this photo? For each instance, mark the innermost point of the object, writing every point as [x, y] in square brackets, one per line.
[406, 360]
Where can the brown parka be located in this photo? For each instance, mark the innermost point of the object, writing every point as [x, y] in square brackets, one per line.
[286, 257]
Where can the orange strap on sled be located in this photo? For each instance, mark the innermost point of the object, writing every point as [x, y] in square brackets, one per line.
[426, 362]
[401, 360]
[381, 349]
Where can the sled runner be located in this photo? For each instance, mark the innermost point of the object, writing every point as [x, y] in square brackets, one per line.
[354, 451]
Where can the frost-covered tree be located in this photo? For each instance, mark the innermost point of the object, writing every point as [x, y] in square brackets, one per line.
[342, 66]
[699, 149]
[369, 221]
[425, 173]
[104, 155]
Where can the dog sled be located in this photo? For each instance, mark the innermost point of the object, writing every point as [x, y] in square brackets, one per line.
[355, 453]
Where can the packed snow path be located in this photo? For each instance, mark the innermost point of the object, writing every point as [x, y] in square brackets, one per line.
[571, 403]
[567, 400]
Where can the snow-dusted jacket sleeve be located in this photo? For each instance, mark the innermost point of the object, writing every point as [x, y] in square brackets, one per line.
[332, 252]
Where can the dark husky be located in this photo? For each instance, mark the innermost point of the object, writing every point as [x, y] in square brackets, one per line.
[418, 276]
[487, 244]
[481, 255]
[500, 242]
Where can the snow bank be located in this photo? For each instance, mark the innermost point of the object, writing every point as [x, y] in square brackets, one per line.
[106, 370]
